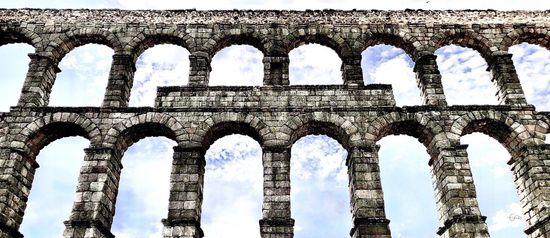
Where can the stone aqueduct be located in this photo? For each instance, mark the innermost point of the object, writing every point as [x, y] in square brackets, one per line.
[276, 114]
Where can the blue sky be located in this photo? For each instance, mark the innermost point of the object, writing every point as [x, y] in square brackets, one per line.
[234, 162]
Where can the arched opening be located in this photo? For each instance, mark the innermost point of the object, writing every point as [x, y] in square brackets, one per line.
[233, 186]
[161, 65]
[386, 64]
[495, 188]
[60, 154]
[406, 181]
[15, 65]
[52, 194]
[143, 193]
[532, 64]
[465, 77]
[83, 77]
[237, 65]
[314, 64]
[319, 195]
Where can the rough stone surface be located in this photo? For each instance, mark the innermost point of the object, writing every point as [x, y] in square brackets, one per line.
[275, 114]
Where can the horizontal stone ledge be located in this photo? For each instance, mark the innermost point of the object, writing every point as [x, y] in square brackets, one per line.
[289, 222]
[412, 109]
[169, 89]
[83, 224]
[470, 219]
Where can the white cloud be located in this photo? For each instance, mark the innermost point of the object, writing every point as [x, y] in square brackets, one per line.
[532, 64]
[464, 76]
[237, 65]
[52, 195]
[162, 65]
[14, 61]
[508, 218]
[144, 188]
[233, 188]
[83, 78]
[314, 64]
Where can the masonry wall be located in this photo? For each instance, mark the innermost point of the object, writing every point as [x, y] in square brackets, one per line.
[275, 114]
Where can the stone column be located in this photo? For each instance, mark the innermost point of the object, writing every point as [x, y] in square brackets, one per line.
[459, 214]
[121, 78]
[186, 186]
[428, 79]
[532, 177]
[352, 71]
[367, 198]
[506, 80]
[94, 206]
[276, 70]
[199, 72]
[16, 175]
[38, 82]
[276, 219]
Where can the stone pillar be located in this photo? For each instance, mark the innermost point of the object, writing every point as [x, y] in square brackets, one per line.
[121, 78]
[459, 214]
[506, 80]
[276, 219]
[94, 206]
[39, 81]
[186, 186]
[352, 71]
[428, 79]
[16, 175]
[199, 72]
[532, 177]
[276, 70]
[367, 198]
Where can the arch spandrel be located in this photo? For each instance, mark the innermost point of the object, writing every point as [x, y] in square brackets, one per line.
[394, 37]
[66, 42]
[148, 39]
[237, 36]
[419, 126]
[537, 36]
[332, 125]
[151, 124]
[11, 35]
[44, 130]
[333, 40]
[220, 125]
[506, 129]
[464, 38]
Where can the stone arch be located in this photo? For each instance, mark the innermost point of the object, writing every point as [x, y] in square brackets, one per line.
[44, 130]
[505, 129]
[129, 131]
[419, 126]
[535, 36]
[220, 125]
[396, 38]
[19, 35]
[148, 39]
[334, 41]
[464, 38]
[66, 42]
[332, 125]
[242, 37]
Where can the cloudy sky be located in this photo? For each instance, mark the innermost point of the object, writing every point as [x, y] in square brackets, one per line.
[320, 201]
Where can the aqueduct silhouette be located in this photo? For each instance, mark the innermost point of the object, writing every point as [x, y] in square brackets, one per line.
[276, 114]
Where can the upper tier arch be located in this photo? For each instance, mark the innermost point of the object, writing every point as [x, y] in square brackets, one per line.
[529, 35]
[464, 38]
[150, 38]
[65, 42]
[10, 35]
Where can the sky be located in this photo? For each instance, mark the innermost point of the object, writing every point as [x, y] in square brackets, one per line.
[318, 171]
